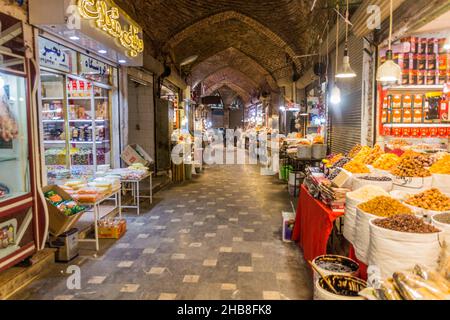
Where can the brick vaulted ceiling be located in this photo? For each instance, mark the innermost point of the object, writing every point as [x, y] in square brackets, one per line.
[258, 38]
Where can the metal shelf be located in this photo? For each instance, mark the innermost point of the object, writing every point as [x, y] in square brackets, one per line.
[56, 120]
[46, 99]
[55, 141]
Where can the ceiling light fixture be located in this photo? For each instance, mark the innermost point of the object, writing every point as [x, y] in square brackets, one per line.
[74, 38]
[389, 72]
[188, 60]
[335, 97]
[102, 51]
[346, 70]
[122, 61]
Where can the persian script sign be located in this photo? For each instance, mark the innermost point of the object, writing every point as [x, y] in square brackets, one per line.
[108, 18]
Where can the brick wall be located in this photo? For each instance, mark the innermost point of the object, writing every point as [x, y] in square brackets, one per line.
[141, 113]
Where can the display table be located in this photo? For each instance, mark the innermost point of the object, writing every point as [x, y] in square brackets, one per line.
[136, 191]
[115, 194]
[313, 225]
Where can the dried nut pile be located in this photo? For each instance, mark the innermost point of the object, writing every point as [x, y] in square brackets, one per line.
[342, 162]
[411, 167]
[356, 149]
[386, 161]
[442, 166]
[431, 199]
[375, 178]
[384, 206]
[406, 223]
[363, 154]
[356, 167]
[375, 153]
[442, 218]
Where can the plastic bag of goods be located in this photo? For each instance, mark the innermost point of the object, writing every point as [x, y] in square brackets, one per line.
[441, 173]
[335, 264]
[392, 250]
[412, 184]
[378, 207]
[361, 239]
[384, 182]
[304, 151]
[319, 151]
[347, 287]
[442, 222]
[442, 182]
[353, 199]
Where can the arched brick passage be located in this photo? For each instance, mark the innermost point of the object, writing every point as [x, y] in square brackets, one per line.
[222, 17]
[245, 96]
[236, 59]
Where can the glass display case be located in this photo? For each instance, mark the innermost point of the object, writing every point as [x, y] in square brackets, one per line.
[76, 128]
[14, 161]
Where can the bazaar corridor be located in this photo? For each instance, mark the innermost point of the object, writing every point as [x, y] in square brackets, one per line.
[217, 237]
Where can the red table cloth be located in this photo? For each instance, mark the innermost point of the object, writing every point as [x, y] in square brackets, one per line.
[362, 266]
[313, 225]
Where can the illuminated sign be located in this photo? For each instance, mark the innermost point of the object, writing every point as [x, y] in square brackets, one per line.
[108, 19]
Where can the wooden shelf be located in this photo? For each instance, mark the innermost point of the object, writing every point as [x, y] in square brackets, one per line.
[416, 88]
[417, 125]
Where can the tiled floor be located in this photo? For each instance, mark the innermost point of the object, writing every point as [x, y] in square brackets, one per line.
[217, 237]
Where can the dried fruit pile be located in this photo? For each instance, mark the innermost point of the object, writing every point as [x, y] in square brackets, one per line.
[384, 206]
[386, 161]
[406, 223]
[356, 149]
[431, 199]
[356, 167]
[374, 154]
[442, 166]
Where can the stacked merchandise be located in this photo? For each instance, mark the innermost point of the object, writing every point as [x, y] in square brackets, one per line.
[333, 197]
[420, 283]
[91, 192]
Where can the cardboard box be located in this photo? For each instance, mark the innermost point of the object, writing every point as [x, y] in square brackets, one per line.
[58, 221]
[114, 232]
[134, 153]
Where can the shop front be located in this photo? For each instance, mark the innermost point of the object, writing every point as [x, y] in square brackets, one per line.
[22, 220]
[81, 64]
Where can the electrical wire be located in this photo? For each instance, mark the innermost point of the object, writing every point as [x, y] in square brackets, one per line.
[390, 25]
[337, 38]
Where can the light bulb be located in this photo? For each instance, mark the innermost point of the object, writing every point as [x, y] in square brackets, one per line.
[335, 97]
[389, 71]
[346, 71]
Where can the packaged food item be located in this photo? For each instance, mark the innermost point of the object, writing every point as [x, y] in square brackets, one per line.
[397, 101]
[406, 223]
[356, 167]
[386, 161]
[421, 77]
[54, 198]
[444, 109]
[384, 206]
[431, 199]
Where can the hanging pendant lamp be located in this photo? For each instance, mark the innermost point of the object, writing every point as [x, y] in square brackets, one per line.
[346, 71]
[389, 72]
